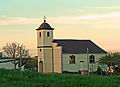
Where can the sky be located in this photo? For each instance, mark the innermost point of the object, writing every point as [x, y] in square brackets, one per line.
[96, 20]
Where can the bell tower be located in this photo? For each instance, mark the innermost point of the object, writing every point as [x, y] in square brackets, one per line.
[44, 45]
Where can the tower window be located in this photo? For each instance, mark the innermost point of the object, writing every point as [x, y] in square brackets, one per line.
[92, 59]
[72, 59]
[40, 34]
[40, 50]
[48, 34]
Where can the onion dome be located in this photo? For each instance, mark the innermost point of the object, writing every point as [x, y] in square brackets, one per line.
[45, 26]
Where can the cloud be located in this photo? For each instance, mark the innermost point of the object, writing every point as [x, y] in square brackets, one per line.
[3, 16]
[19, 20]
[112, 7]
[98, 16]
[85, 19]
[71, 10]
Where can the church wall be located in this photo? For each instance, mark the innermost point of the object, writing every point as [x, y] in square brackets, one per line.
[45, 43]
[46, 56]
[57, 52]
[47, 61]
[40, 57]
[78, 66]
[40, 39]
[48, 40]
[44, 40]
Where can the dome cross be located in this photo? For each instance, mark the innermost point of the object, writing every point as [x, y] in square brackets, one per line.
[44, 19]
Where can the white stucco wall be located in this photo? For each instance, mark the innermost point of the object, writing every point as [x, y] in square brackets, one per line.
[78, 66]
[48, 60]
[45, 44]
[57, 55]
[46, 56]
[44, 40]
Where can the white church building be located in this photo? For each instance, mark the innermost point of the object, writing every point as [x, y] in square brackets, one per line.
[65, 55]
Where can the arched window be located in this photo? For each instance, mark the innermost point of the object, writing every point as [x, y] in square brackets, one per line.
[40, 34]
[92, 59]
[48, 34]
[72, 59]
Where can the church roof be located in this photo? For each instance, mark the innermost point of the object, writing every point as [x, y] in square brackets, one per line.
[78, 46]
[45, 26]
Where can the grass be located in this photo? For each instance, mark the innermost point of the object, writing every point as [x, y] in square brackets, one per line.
[14, 78]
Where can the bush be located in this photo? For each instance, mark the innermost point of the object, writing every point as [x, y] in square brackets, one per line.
[100, 71]
[31, 65]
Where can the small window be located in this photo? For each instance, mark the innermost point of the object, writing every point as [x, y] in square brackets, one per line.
[40, 50]
[48, 34]
[72, 59]
[92, 59]
[40, 34]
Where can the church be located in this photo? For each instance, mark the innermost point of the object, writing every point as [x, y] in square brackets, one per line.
[65, 55]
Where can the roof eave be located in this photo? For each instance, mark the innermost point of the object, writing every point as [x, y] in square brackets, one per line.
[45, 29]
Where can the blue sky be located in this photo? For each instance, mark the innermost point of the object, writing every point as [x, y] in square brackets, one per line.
[38, 8]
[98, 20]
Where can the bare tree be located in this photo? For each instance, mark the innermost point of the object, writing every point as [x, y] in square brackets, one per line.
[12, 50]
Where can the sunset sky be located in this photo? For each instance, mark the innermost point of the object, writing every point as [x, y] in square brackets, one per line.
[97, 20]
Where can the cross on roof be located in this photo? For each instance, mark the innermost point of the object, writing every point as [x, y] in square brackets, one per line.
[44, 19]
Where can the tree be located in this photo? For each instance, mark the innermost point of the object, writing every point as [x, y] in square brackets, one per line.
[111, 59]
[12, 50]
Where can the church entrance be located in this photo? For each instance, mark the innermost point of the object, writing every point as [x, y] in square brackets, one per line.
[41, 67]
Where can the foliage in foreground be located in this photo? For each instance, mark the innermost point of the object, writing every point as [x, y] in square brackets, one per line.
[32, 63]
[111, 58]
[14, 78]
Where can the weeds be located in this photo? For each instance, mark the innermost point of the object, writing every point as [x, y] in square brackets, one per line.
[14, 78]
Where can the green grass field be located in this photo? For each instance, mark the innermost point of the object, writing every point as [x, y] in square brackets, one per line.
[14, 78]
